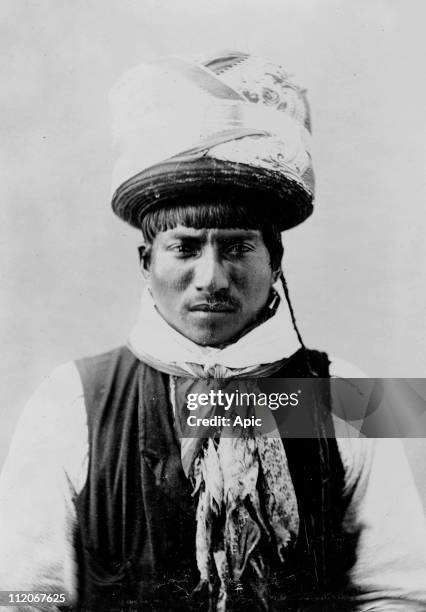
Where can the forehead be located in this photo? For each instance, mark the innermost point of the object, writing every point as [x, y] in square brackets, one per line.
[209, 235]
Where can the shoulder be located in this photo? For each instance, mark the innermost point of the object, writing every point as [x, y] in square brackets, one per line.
[55, 400]
[52, 429]
[356, 451]
[344, 369]
[106, 375]
[97, 367]
[63, 389]
[326, 365]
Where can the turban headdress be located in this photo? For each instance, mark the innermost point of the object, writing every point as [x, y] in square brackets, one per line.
[230, 126]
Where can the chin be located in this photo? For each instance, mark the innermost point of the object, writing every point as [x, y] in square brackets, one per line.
[208, 341]
[212, 339]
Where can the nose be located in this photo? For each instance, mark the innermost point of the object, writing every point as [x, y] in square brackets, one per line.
[210, 273]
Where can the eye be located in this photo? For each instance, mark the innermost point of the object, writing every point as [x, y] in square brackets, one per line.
[183, 249]
[239, 248]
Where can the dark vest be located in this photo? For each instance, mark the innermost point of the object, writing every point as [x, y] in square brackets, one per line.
[135, 536]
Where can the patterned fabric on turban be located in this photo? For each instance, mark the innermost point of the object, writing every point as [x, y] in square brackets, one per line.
[233, 126]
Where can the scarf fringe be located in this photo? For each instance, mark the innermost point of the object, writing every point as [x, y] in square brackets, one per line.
[246, 503]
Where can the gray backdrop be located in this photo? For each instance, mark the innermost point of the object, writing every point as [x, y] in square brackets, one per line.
[70, 280]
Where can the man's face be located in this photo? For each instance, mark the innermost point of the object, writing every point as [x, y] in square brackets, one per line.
[209, 284]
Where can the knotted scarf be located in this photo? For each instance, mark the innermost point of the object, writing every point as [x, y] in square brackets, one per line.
[246, 510]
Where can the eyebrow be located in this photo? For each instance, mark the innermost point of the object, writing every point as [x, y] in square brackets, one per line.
[230, 235]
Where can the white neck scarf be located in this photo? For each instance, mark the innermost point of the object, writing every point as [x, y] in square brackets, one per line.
[156, 343]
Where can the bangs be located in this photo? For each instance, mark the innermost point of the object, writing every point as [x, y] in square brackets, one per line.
[211, 215]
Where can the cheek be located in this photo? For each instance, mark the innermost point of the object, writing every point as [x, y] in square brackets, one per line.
[259, 288]
[169, 277]
[256, 278]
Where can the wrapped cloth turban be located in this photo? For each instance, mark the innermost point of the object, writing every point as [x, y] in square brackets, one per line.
[231, 127]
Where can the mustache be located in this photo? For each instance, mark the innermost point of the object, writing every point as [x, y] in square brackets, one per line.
[217, 299]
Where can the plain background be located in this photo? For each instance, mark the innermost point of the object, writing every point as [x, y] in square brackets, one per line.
[70, 280]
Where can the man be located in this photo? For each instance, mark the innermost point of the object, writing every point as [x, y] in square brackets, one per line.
[108, 500]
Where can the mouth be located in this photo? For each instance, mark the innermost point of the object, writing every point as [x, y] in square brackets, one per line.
[218, 307]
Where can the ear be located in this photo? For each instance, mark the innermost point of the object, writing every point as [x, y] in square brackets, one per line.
[275, 275]
[144, 259]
